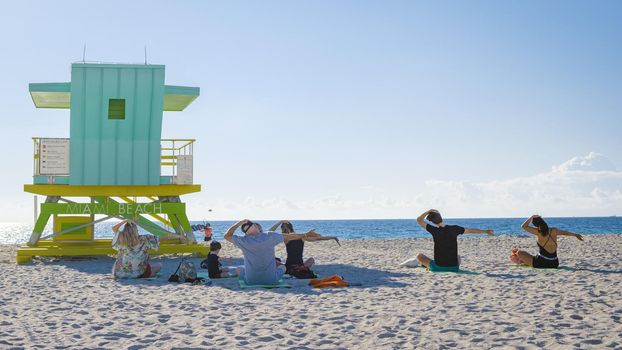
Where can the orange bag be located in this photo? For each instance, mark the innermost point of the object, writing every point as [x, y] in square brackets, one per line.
[332, 281]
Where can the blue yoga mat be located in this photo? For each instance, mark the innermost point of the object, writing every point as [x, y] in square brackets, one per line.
[281, 284]
[153, 277]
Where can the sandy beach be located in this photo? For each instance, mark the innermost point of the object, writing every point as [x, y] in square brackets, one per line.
[59, 303]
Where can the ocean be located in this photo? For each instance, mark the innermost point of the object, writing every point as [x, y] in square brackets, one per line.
[365, 229]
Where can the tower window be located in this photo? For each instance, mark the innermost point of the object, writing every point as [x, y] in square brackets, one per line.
[116, 108]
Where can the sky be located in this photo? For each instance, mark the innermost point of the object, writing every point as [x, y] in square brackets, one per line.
[349, 109]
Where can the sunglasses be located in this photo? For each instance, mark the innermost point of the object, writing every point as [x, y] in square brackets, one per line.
[247, 225]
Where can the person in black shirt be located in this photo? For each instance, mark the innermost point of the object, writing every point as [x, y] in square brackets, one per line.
[445, 242]
[295, 248]
[214, 267]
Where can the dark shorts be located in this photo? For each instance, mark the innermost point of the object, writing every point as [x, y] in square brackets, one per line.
[540, 262]
[147, 272]
[435, 268]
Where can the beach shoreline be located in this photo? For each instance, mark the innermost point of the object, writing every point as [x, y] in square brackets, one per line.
[76, 304]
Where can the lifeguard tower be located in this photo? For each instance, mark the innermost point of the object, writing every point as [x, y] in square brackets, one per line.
[114, 164]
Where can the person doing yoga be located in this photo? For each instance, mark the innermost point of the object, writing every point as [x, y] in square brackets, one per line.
[257, 247]
[445, 242]
[133, 252]
[546, 241]
[294, 264]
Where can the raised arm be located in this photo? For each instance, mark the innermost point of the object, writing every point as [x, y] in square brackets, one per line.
[421, 218]
[313, 238]
[116, 227]
[525, 226]
[475, 230]
[570, 234]
[229, 234]
[294, 236]
[274, 227]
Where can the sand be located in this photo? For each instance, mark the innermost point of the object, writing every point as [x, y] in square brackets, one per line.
[54, 303]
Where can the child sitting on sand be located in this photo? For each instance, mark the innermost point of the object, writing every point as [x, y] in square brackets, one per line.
[133, 252]
[445, 242]
[214, 267]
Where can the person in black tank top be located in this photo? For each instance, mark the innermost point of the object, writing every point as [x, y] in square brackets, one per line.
[295, 248]
[547, 254]
[445, 242]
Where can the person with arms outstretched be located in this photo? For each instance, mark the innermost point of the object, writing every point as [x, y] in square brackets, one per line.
[546, 239]
[294, 264]
[445, 242]
[258, 249]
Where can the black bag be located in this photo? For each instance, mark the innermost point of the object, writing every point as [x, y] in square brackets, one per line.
[175, 277]
[301, 271]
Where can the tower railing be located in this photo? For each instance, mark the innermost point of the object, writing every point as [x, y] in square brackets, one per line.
[176, 156]
[172, 153]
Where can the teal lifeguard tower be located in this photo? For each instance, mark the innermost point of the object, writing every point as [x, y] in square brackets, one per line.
[115, 163]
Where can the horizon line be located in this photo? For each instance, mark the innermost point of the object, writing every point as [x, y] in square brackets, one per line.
[366, 219]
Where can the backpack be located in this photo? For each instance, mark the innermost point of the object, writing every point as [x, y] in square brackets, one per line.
[186, 272]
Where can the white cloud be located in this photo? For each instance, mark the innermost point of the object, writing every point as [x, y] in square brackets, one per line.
[584, 185]
[587, 185]
[592, 162]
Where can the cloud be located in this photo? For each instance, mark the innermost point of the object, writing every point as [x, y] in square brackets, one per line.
[586, 185]
[592, 162]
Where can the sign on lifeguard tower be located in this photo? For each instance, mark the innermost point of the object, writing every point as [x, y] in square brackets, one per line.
[115, 163]
[54, 157]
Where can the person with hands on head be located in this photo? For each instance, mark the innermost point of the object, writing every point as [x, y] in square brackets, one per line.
[257, 247]
[295, 247]
[132, 259]
[445, 242]
[546, 239]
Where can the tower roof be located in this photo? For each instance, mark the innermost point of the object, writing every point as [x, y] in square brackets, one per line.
[58, 95]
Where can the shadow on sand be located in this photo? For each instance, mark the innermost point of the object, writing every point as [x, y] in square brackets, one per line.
[594, 270]
[361, 277]
[506, 275]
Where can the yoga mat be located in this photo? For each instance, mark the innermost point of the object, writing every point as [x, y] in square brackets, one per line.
[152, 278]
[281, 284]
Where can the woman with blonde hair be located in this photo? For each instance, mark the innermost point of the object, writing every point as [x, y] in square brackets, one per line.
[133, 252]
